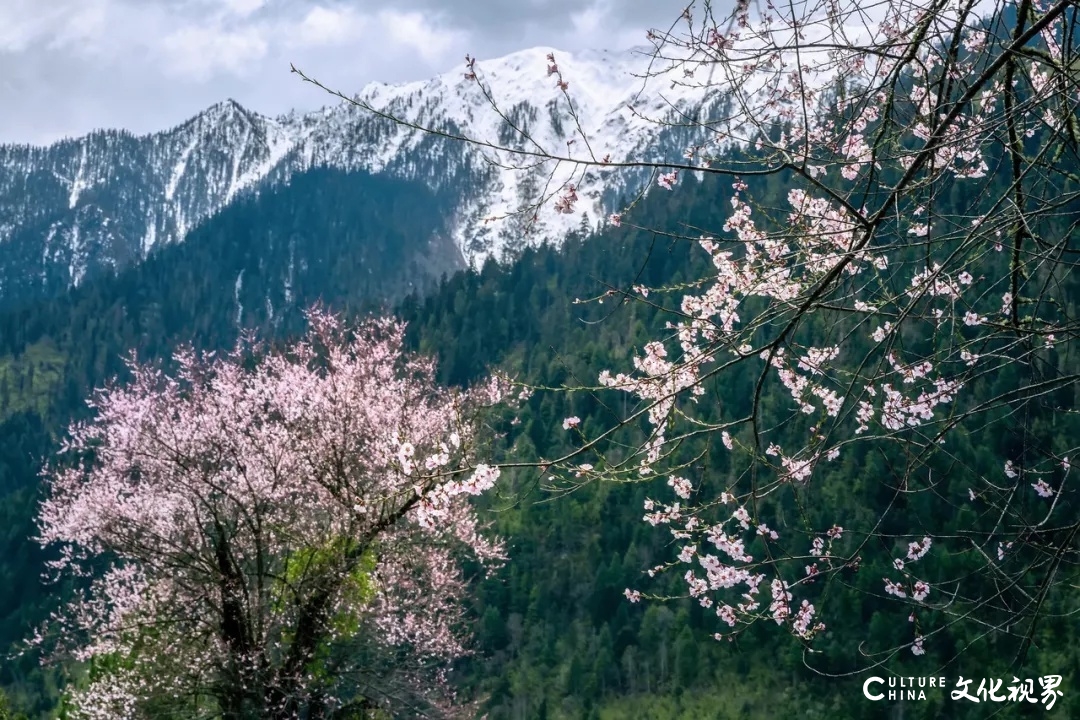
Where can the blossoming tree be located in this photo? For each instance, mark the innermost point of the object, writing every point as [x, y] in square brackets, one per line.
[916, 288]
[270, 533]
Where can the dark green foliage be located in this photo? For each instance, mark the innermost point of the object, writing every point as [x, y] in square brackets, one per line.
[573, 556]
[555, 638]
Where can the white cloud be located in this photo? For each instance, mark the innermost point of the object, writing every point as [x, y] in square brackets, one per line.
[62, 58]
[244, 8]
[601, 20]
[590, 20]
[199, 52]
[327, 26]
[413, 33]
[83, 27]
[21, 26]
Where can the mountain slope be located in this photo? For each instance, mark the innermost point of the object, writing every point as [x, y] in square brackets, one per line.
[349, 239]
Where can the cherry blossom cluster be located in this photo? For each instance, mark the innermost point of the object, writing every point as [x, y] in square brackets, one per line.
[869, 125]
[732, 580]
[245, 514]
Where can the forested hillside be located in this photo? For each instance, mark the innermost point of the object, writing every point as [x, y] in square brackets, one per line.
[560, 638]
[555, 635]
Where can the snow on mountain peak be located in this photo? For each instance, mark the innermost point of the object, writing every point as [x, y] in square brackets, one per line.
[120, 195]
[615, 117]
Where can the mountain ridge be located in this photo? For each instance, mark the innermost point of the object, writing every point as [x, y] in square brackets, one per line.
[94, 204]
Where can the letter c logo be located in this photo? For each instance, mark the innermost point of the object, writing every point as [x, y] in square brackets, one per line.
[866, 688]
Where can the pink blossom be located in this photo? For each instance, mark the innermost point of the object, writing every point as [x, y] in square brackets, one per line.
[916, 550]
[804, 616]
[920, 591]
[261, 491]
[681, 486]
[564, 204]
[1043, 489]
[973, 319]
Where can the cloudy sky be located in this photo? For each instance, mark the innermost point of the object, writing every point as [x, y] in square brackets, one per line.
[70, 66]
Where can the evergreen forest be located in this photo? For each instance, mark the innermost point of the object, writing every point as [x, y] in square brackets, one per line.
[554, 635]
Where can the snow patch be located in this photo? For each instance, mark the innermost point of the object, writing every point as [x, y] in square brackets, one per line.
[236, 294]
[78, 183]
[150, 237]
[179, 168]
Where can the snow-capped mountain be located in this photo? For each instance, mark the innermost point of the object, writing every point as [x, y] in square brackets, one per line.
[78, 207]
